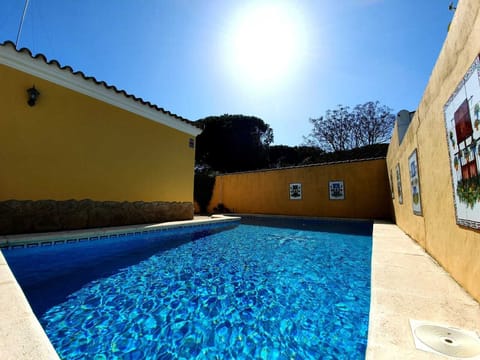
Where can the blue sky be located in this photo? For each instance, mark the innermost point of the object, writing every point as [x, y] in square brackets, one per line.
[192, 57]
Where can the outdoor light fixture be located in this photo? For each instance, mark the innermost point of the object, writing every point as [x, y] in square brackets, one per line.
[32, 95]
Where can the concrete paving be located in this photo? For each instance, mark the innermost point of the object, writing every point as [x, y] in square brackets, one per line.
[408, 284]
[21, 335]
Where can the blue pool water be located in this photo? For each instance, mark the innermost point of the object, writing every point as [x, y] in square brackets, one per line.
[250, 292]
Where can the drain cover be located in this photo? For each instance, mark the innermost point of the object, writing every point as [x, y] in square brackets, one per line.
[448, 341]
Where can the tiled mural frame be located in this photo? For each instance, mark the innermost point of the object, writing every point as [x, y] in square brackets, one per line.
[462, 125]
[295, 191]
[399, 184]
[415, 183]
[392, 189]
[336, 190]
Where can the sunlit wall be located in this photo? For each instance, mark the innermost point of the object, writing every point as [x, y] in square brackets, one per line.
[456, 246]
[72, 146]
[365, 194]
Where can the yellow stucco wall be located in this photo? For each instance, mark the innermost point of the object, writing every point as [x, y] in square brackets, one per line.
[367, 194]
[456, 248]
[71, 146]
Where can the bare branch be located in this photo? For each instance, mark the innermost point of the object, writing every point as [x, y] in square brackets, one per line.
[343, 129]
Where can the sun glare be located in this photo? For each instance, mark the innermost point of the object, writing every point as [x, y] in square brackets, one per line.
[266, 43]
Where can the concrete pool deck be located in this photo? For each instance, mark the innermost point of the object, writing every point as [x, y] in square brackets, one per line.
[406, 284]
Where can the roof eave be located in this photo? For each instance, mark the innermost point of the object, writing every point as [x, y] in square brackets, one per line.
[51, 71]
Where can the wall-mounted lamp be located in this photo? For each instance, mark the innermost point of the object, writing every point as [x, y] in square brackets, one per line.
[32, 95]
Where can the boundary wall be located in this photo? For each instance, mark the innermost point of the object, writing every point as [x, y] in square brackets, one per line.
[434, 220]
[357, 189]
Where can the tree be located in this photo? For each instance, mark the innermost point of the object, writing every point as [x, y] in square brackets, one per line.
[373, 123]
[231, 143]
[332, 131]
[228, 143]
[343, 129]
[203, 185]
[283, 155]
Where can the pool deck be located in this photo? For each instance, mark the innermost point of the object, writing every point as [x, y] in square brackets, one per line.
[406, 284]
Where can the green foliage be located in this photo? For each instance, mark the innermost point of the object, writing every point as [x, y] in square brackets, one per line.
[283, 155]
[365, 152]
[203, 189]
[221, 208]
[228, 143]
[468, 190]
[232, 143]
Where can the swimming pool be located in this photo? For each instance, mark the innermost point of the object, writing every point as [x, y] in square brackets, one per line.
[253, 291]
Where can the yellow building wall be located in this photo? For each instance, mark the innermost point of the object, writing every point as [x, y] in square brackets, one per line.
[367, 193]
[71, 146]
[456, 248]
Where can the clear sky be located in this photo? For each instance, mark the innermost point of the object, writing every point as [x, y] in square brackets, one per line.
[283, 61]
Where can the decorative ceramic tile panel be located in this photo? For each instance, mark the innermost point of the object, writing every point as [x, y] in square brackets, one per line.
[462, 123]
[296, 191]
[399, 185]
[336, 190]
[415, 183]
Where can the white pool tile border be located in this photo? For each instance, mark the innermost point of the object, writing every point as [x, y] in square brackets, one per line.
[64, 237]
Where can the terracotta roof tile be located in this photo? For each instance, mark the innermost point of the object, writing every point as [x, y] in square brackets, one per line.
[69, 69]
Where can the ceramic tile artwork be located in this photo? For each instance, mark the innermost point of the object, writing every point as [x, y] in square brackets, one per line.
[336, 190]
[462, 122]
[415, 183]
[296, 191]
[391, 185]
[399, 185]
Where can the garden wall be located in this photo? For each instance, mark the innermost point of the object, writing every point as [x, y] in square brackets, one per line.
[357, 189]
[438, 158]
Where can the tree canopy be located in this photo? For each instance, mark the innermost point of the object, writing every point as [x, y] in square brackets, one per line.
[283, 155]
[232, 143]
[344, 128]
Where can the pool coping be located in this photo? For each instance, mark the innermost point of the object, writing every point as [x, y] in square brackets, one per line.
[63, 237]
[396, 259]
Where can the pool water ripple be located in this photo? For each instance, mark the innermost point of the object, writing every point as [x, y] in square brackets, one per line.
[247, 293]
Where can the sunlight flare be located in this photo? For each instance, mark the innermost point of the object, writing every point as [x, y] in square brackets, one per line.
[266, 43]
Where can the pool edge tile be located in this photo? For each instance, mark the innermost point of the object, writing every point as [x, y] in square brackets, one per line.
[61, 237]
